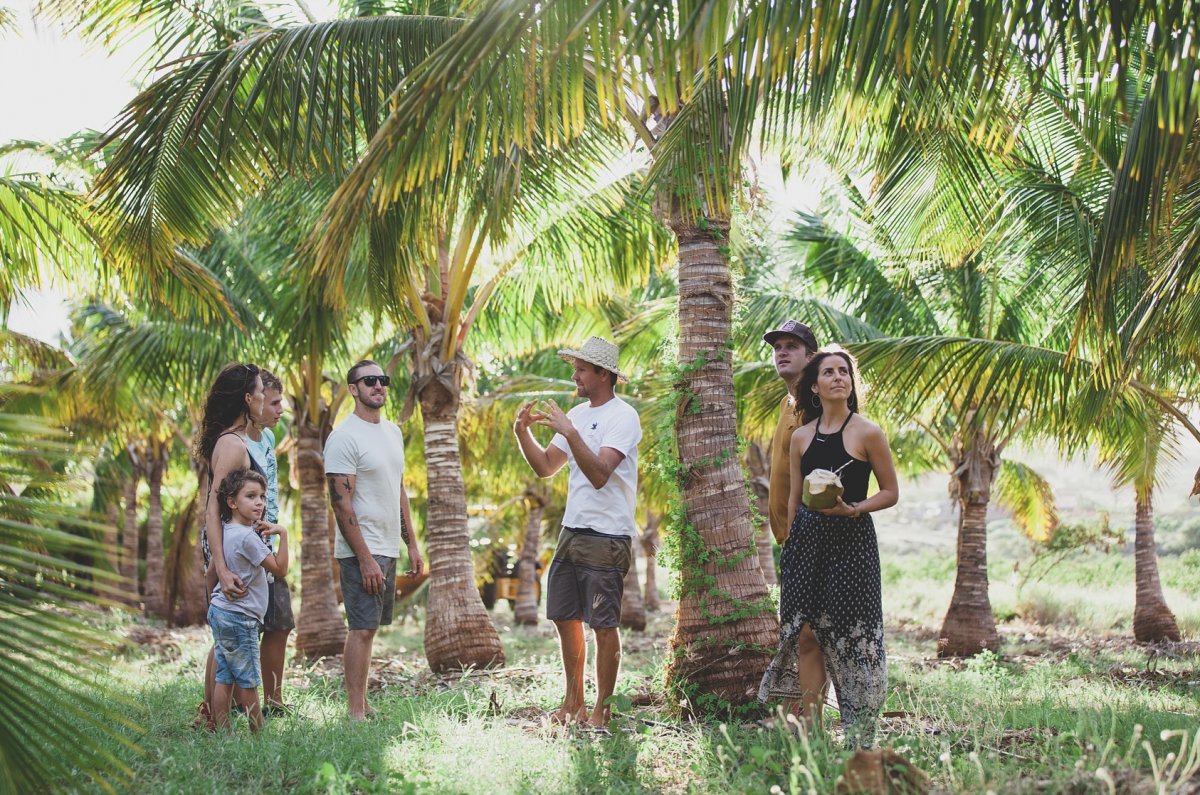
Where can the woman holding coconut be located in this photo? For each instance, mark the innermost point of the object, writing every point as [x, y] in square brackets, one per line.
[831, 611]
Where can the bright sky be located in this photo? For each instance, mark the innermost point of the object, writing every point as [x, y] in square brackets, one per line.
[53, 85]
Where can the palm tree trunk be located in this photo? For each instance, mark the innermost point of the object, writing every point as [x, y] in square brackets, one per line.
[650, 550]
[725, 659]
[320, 629]
[129, 541]
[758, 464]
[155, 597]
[193, 608]
[526, 608]
[184, 585]
[633, 608]
[458, 631]
[112, 532]
[1153, 621]
[969, 626]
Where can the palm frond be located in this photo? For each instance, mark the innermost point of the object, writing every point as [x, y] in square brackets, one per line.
[1028, 497]
[42, 227]
[45, 704]
[223, 124]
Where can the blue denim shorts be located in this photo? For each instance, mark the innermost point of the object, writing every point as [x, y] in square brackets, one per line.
[235, 636]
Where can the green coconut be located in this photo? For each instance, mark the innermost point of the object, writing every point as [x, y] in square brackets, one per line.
[821, 489]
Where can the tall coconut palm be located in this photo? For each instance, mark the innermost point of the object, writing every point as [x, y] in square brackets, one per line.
[437, 288]
[526, 608]
[1133, 447]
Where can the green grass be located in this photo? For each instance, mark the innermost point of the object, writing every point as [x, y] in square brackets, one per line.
[1063, 709]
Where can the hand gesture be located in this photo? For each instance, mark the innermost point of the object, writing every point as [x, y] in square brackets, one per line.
[553, 417]
[231, 585]
[265, 528]
[372, 575]
[525, 417]
[840, 509]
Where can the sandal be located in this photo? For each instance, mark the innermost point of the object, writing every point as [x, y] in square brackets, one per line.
[204, 718]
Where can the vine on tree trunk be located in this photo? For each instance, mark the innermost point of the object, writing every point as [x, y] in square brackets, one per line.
[686, 554]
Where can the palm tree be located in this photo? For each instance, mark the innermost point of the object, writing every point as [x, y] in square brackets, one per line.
[970, 365]
[526, 608]
[434, 290]
[1132, 447]
[650, 540]
[633, 607]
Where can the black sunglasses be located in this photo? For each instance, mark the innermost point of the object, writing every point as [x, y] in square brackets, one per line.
[372, 380]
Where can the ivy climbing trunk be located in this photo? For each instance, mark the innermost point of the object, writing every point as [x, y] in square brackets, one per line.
[726, 627]
[969, 626]
[320, 630]
[650, 550]
[155, 463]
[129, 541]
[1153, 621]
[458, 631]
[633, 609]
[526, 607]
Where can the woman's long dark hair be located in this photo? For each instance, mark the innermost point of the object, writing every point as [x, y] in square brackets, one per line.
[224, 406]
[806, 398]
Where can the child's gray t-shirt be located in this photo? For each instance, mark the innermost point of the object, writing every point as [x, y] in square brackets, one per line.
[244, 554]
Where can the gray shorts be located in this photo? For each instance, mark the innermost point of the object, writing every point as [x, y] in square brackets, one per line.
[364, 610]
[587, 577]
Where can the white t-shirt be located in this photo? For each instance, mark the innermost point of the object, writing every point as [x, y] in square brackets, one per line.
[374, 454]
[610, 509]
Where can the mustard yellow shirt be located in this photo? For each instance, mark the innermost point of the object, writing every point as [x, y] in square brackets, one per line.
[781, 477]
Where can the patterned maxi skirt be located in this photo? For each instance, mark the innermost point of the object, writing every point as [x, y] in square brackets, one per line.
[830, 581]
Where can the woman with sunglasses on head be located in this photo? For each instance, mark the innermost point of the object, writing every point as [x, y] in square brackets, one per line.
[831, 611]
[235, 399]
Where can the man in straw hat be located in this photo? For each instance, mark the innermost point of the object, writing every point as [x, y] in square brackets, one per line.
[597, 440]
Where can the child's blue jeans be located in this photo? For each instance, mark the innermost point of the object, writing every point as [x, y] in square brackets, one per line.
[236, 638]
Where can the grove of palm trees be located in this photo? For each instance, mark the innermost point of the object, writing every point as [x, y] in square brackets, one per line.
[993, 206]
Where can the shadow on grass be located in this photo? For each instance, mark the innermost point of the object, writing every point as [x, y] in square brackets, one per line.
[313, 749]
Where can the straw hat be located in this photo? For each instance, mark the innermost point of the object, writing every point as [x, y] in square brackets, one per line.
[597, 351]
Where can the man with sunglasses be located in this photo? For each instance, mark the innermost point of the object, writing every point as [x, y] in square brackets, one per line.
[364, 464]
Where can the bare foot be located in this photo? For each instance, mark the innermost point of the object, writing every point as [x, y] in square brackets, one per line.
[368, 714]
[601, 716]
[565, 715]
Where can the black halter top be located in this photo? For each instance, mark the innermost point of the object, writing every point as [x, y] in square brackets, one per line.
[828, 451]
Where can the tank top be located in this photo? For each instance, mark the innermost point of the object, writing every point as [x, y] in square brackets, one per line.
[828, 451]
[253, 464]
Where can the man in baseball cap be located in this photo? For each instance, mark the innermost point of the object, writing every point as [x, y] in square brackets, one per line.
[794, 344]
[597, 440]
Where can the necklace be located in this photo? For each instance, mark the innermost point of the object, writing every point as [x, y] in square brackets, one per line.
[817, 437]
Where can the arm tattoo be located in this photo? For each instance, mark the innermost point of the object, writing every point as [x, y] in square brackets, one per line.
[403, 528]
[335, 496]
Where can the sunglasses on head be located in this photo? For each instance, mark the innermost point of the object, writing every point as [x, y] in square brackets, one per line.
[372, 380]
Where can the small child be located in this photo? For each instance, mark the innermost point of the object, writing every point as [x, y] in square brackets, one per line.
[235, 622]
